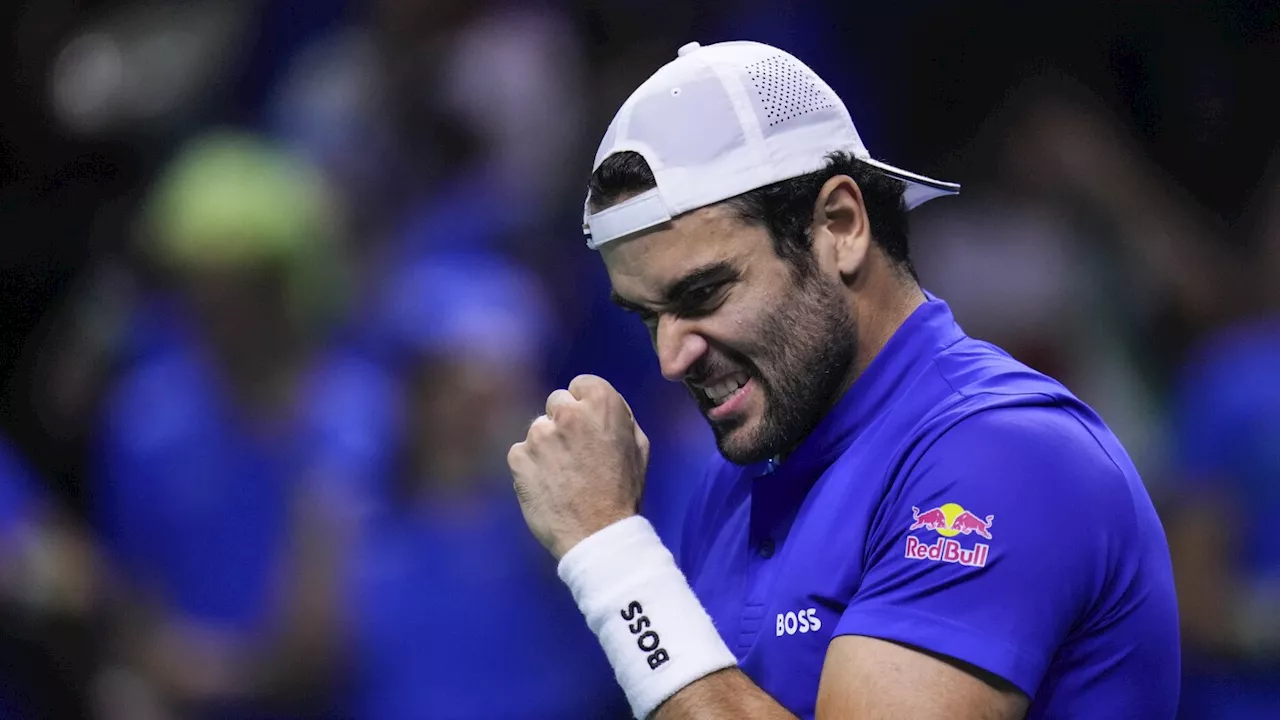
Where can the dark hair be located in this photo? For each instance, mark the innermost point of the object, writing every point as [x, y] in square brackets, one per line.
[784, 209]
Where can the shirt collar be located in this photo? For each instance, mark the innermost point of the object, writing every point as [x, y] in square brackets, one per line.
[929, 329]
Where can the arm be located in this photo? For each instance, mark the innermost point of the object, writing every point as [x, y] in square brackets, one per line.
[928, 639]
[723, 695]
[673, 665]
[862, 678]
[669, 657]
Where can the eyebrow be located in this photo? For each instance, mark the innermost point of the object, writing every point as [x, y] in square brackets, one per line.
[711, 273]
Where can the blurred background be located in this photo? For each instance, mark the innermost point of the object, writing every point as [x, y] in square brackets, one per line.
[283, 279]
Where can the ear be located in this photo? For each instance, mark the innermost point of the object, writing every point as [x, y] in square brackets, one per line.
[841, 226]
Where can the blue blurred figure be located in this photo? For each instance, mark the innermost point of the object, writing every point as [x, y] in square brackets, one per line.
[425, 589]
[198, 447]
[1227, 416]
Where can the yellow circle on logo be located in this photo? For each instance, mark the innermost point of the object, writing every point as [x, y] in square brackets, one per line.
[951, 511]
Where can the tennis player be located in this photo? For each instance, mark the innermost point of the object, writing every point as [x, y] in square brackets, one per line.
[906, 522]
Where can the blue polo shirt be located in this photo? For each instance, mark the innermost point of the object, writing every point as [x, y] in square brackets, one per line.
[956, 501]
[189, 503]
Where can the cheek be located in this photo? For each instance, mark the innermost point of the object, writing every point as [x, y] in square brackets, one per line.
[741, 327]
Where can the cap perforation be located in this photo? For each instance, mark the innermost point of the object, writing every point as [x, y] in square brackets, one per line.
[785, 91]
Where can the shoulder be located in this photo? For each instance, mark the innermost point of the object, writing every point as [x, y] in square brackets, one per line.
[996, 401]
[1053, 475]
[1228, 366]
[156, 402]
[1060, 446]
[975, 369]
[352, 398]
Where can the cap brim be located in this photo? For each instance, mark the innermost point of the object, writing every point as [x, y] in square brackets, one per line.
[920, 189]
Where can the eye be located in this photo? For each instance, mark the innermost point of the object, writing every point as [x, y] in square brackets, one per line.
[701, 300]
[648, 317]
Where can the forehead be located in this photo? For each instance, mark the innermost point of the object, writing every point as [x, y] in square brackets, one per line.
[639, 266]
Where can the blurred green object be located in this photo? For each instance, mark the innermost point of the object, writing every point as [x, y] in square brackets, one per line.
[231, 200]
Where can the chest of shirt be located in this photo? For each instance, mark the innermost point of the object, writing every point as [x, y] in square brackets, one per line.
[779, 570]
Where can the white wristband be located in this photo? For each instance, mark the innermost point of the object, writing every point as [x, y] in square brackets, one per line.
[654, 631]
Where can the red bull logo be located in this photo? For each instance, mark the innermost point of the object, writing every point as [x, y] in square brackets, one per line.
[949, 521]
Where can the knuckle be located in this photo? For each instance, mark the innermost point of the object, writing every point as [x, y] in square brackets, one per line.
[568, 413]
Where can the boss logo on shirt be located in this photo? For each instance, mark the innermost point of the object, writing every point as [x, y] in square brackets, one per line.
[803, 621]
[647, 640]
[949, 520]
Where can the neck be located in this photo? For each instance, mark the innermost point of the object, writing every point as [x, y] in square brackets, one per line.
[883, 304]
[879, 307]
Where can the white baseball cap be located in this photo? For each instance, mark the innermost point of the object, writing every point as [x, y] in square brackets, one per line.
[725, 119]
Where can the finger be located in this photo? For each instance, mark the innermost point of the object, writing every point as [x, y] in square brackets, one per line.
[559, 399]
[594, 386]
[516, 456]
[542, 424]
[590, 386]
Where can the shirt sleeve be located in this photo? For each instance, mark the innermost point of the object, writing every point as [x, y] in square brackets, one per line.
[1037, 501]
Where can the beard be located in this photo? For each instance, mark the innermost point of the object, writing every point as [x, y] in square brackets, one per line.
[804, 352]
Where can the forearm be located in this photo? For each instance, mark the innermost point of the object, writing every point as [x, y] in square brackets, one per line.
[724, 695]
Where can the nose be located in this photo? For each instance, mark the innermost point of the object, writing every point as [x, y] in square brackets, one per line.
[678, 347]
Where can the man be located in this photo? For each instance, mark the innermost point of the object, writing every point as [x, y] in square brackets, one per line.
[200, 435]
[907, 522]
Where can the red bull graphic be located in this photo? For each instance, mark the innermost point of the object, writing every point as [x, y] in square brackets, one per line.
[930, 520]
[966, 522]
[950, 520]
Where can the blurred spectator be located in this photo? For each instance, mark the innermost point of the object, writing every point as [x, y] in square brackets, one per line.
[197, 450]
[1222, 535]
[417, 581]
[48, 580]
[1226, 418]
[427, 112]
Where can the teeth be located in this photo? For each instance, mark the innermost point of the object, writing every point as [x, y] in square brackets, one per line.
[723, 389]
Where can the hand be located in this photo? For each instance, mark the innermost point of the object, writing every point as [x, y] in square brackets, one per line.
[582, 465]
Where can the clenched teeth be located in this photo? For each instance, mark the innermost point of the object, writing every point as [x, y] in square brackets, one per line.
[720, 391]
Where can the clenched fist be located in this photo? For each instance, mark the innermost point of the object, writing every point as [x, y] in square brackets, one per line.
[582, 465]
